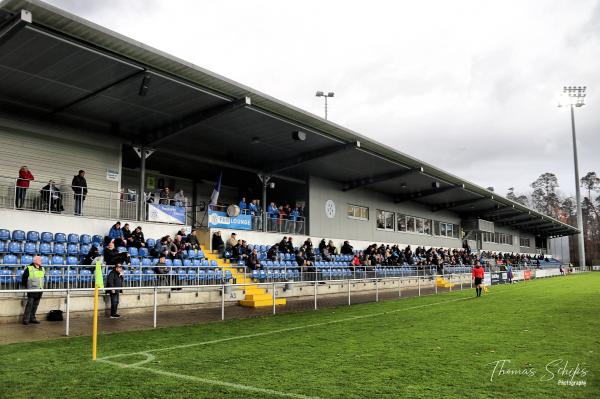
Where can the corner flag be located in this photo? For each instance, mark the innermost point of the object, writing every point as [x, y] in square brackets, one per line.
[215, 194]
[99, 280]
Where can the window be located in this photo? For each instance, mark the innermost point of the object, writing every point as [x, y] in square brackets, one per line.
[524, 242]
[358, 212]
[427, 227]
[445, 229]
[385, 220]
[411, 227]
[401, 222]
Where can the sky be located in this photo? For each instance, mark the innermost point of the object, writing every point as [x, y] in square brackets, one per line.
[471, 87]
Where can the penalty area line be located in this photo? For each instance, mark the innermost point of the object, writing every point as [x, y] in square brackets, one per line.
[225, 384]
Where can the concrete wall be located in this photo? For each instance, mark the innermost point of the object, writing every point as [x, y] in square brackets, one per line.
[343, 227]
[490, 246]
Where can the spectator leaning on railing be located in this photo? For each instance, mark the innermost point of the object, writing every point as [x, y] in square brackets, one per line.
[23, 180]
[79, 186]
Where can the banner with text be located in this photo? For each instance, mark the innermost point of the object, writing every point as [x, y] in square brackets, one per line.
[221, 220]
[166, 213]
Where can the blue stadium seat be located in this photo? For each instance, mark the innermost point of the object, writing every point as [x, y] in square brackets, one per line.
[73, 238]
[54, 276]
[72, 260]
[84, 249]
[187, 262]
[200, 254]
[134, 262]
[72, 249]
[85, 276]
[143, 252]
[70, 275]
[168, 262]
[45, 260]
[18, 235]
[30, 248]
[191, 275]
[4, 235]
[15, 247]
[85, 239]
[146, 262]
[205, 262]
[177, 263]
[97, 239]
[46, 249]
[191, 253]
[3, 247]
[214, 263]
[150, 243]
[58, 260]
[60, 237]
[133, 251]
[9, 260]
[148, 274]
[197, 262]
[135, 275]
[121, 249]
[181, 276]
[58, 249]
[6, 276]
[33, 236]
[47, 236]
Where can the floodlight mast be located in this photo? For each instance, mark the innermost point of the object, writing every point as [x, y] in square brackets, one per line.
[574, 96]
[322, 94]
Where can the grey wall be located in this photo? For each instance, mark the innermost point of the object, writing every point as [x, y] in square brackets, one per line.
[489, 246]
[342, 227]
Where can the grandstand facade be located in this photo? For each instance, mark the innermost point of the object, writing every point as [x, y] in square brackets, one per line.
[75, 95]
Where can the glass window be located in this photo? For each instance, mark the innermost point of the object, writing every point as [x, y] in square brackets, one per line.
[420, 226]
[401, 222]
[436, 228]
[410, 222]
[358, 212]
[385, 220]
[427, 227]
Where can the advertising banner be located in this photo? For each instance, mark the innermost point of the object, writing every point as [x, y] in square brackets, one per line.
[498, 278]
[166, 213]
[221, 220]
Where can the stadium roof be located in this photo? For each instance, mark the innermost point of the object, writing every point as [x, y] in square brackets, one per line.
[59, 67]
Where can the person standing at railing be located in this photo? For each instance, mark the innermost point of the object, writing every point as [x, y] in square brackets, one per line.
[179, 198]
[23, 180]
[243, 206]
[115, 281]
[33, 279]
[79, 186]
[165, 196]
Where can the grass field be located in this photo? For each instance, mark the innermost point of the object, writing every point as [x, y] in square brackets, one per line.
[443, 345]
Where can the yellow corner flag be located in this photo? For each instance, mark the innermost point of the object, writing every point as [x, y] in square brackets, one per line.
[98, 283]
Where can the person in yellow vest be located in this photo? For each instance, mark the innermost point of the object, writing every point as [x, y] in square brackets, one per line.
[33, 279]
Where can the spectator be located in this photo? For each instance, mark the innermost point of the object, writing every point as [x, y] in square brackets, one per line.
[165, 196]
[89, 258]
[243, 206]
[172, 250]
[137, 238]
[112, 256]
[192, 240]
[322, 245]
[79, 186]
[273, 252]
[33, 279]
[51, 197]
[283, 247]
[23, 180]
[180, 199]
[115, 281]
[180, 247]
[290, 246]
[293, 219]
[332, 248]
[161, 248]
[252, 260]
[115, 233]
[231, 242]
[347, 249]
[255, 212]
[161, 270]
[273, 215]
[217, 243]
[127, 235]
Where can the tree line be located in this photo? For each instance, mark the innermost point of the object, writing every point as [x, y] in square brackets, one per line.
[545, 199]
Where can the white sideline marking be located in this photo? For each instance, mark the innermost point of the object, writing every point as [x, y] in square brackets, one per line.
[213, 382]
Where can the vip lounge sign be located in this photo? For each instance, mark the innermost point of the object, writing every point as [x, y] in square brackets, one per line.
[221, 220]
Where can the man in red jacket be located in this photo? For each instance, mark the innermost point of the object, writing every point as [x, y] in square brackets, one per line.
[23, 180]
[477, 275]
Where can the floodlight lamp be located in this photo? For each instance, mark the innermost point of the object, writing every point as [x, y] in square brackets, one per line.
[572, 96]
[330, 94]
[320, 94]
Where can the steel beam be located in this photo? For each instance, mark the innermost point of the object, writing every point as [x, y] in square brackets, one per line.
[457, 204]
[357, 183]
[428, 193]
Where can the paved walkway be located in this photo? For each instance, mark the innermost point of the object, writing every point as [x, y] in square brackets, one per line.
[82, 326]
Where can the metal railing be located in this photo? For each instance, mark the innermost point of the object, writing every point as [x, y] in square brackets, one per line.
[61, 199]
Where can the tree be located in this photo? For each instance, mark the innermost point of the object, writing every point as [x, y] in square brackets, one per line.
[544, 197]
[520, 199]
[590, 182]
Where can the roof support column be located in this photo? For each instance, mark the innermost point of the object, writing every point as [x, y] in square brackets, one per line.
[143, 153]
[265, 183]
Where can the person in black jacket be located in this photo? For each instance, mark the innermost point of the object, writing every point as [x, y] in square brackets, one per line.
[127, 238]
[79, 186]
[115, 281]
[112, 256]
[89, 258]
[137, 238]
[217, 242]
[193, 240]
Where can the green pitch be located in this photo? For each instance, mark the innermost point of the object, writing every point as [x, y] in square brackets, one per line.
[522, 341]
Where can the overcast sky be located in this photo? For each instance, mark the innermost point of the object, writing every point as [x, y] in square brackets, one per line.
[468, 86]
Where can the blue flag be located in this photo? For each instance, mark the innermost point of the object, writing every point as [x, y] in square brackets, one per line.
[214, 198]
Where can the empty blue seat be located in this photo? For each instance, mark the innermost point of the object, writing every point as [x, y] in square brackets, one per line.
[143, 252]
[54, 276]
[33, 236]
[197, 262]
[146, 262]
[72, 260]
[85, 276]
[133, 251]
[187, 262]
[121, 249]
[60, 237]
[58, 260]
[59, 249]
[135, 262]
[15, 247]
[85, 239]
[200, 254]
[4, 235]
[70, 275]
[6, 276]
[135, 275]
[72, 249]
[214, 263]
[168, 262]
[177, 263]
[73, 238]
[181, 275]
[3, 247]
[84, 249]
[47, 236]
[45, 260]
[205, 262]
[191, 253]
[9, 260]
[30, 248]
[97, 239]
[148, 274]
[191, 275]
[150, 243]
[18, 235]
[45, 249]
